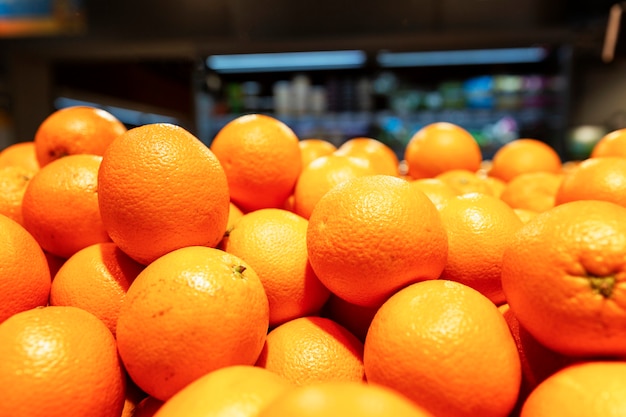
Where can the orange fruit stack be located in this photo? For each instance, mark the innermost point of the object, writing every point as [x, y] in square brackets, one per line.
[144, 273]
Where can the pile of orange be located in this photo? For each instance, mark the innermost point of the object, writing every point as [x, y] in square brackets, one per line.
[144, 273]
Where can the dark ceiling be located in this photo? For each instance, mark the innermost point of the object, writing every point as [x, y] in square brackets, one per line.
[222, 26]
[271, 19]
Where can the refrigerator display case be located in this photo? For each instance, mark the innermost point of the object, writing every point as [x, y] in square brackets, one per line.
[497, 94]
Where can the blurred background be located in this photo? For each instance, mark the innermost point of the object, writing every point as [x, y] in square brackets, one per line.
[500, 68]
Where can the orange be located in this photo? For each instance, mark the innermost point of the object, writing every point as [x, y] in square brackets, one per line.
[563, 275]
[586, 389]
[538, 362]
[463, 181]
[440, 147]
[323, 174]
[447, 347]
[75, 130]
[60, 205]
[238, 390]
[313, 148]
[381, 157]
[273, 242]
[95, 279]
[436, 189]
[524, 155]
[13, 182]
[479, 228]
[59, 361]
[611, 144]
[535, 191]
[595, 179]
[262, 160]
[20, 154]
[25, 278]
[189, 312]
[340, 399]
[313, 349]
[160, 189]
[372, 235]
[353, 317]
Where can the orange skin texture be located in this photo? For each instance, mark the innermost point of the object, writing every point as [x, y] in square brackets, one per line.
[323, 174]
[589, 388]
[261, 158]
[313, 349]
[440, 147]
[75, 130]
[524, 155]
[611, 144]
[602, 178]
[60, 205]
[238, 390]
[354, 243]
[381, 157]
[534, 191]
[20, 154]
[13, 182]
[193, 310]
[26, 279]
[313, 148]
[564, 278]
[479, 228]
[59, 361]
[340, 399]
[273, 242]
[437, 342]
[160, 189]
[95, 279]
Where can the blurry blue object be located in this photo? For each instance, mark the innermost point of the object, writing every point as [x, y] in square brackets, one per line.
[286, 61]
[26, 8]
[479, 92]
[462, 57]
